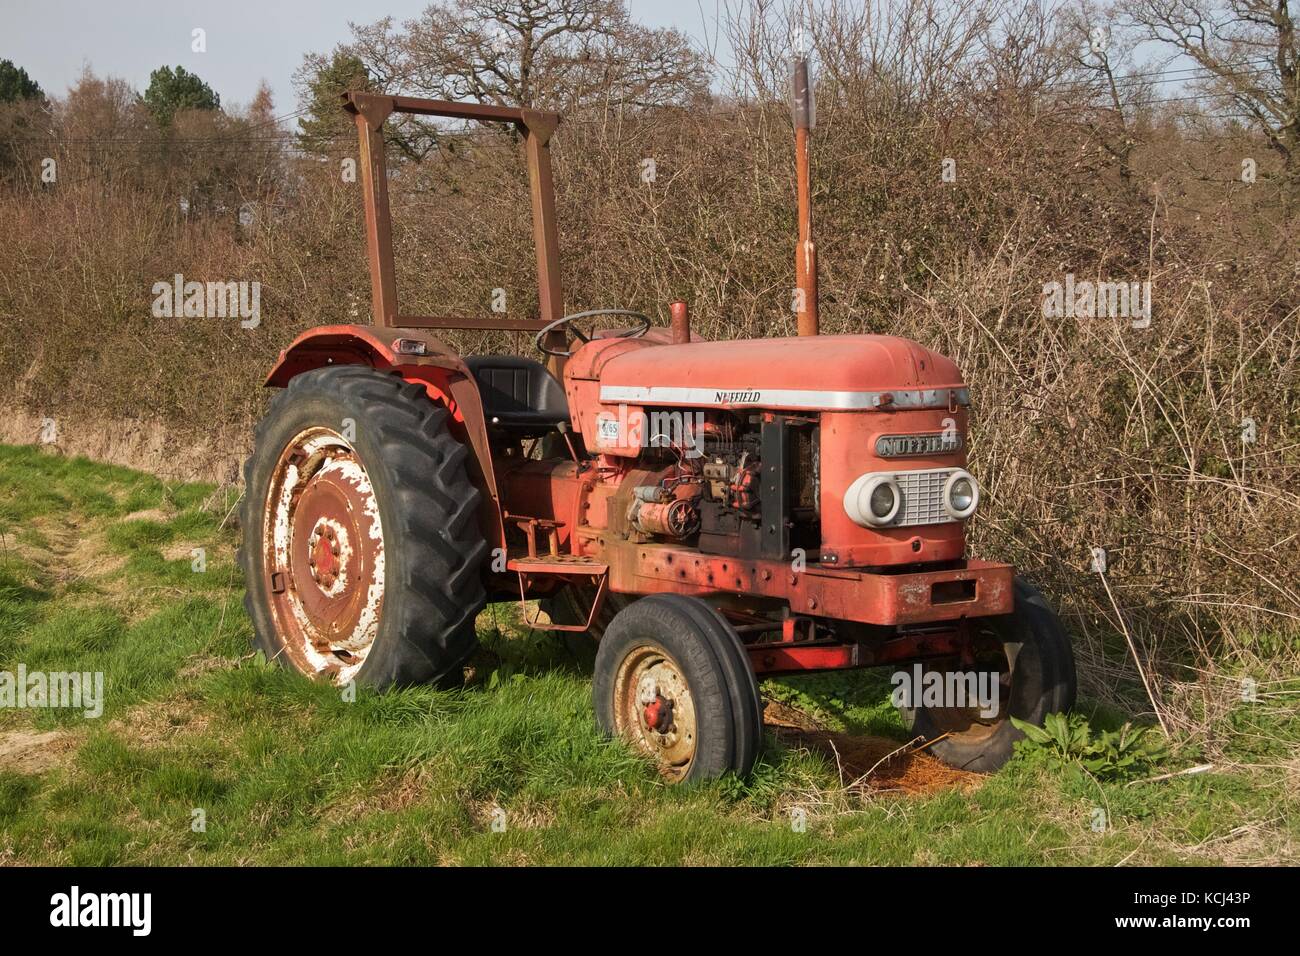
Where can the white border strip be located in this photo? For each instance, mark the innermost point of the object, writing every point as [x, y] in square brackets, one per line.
[780, 397]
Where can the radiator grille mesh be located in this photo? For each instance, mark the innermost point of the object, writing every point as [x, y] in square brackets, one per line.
[922, 497]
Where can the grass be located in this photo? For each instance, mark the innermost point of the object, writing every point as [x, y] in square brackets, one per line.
[207, 755]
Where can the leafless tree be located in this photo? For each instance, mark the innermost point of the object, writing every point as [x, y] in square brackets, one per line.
[1103, 85]
[546, 53]
[1250, 48]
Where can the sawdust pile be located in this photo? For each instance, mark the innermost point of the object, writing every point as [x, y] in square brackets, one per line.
[877, 764]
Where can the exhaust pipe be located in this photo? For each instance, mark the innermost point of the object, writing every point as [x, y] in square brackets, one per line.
[805, 258]
[681, 322]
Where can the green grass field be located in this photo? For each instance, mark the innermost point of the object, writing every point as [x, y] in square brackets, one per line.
[205, 754]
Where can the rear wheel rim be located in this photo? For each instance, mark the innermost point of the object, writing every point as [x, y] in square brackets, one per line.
[650, 684]
[323, 556]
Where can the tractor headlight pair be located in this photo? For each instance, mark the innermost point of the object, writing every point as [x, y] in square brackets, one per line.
[876, 500]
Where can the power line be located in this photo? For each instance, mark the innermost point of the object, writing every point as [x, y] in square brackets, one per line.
[239, 139]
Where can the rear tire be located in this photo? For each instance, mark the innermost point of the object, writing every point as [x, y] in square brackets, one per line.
[571, 604]
[1039, 680]
[673, 678]
[362, 554]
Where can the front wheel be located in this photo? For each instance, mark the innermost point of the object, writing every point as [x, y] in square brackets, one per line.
[362, 555]
[1024, 661]
[673, 679]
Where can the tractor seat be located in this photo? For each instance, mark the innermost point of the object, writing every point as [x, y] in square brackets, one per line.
[518, 392]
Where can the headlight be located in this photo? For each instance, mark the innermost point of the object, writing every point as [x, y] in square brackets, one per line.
[873, 500]
[884, 501]
[961, 495]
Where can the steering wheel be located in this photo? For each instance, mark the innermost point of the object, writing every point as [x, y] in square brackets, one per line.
[634, 332]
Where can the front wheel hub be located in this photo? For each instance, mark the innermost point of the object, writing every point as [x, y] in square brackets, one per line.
[658, 715]
[654, 709]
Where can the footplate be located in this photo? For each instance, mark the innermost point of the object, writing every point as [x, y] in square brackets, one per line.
[561, 565]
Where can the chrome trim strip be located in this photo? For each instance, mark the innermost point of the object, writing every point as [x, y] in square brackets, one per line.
[782, 397]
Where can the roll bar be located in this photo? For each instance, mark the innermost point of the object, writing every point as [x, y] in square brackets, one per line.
[370, 110]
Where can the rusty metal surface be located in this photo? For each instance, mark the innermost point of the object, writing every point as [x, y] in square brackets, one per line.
[776, 659]
[590, 508]
[363, 344]
[541, 190]
[379, 224]
[323, 555]
[654, 709]
[793, 658]
[864, 597]
[805, 259]
[477, 323]
[370, 111]
[577, 508]
[681, 322]
[439, 369]
[806, 252]
[529, 569]
[379, 106]
[551, 489]
[530, 526]
[565, 565]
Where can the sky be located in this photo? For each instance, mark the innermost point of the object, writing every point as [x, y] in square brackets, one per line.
[247, 40]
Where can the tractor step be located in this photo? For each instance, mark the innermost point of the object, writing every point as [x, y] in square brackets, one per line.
[576, 564]
[563, 565]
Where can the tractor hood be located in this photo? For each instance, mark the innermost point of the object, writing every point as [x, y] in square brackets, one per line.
[822, 372]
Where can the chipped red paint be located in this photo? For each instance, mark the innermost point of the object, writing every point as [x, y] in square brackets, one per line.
[793, 658]
[571, 518]
[323, 541]
[845, 595]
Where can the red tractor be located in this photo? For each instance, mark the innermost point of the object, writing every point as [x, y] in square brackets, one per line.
[708, 512]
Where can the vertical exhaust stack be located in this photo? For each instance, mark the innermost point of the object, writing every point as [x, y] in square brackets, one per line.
[805, 258]
[681, 322]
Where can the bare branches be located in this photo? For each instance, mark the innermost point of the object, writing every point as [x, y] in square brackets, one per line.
[557, 54]
[1231, 40]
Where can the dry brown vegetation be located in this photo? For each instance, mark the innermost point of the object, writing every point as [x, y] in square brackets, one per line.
[1089, 432]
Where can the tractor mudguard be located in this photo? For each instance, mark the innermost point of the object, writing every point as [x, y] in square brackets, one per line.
[438, 368]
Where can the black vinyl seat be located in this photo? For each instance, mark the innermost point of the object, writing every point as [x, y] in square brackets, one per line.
[519, 392]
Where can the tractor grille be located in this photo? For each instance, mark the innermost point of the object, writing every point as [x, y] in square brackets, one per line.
[922, 497]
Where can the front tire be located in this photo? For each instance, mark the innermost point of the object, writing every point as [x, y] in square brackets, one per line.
[1036, 667]
[673, 679]
[362, 555]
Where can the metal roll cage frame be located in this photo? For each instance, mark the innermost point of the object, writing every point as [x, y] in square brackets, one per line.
[370, 111]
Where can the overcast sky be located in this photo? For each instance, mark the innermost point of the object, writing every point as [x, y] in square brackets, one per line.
[247, 40]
